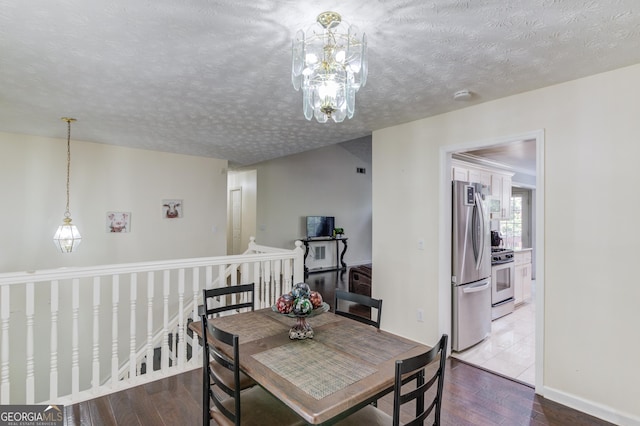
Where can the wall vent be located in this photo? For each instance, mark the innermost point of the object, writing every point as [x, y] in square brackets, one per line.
[321, 253]
[361, 170]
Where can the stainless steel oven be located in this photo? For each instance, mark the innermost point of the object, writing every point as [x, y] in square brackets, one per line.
[502, 282]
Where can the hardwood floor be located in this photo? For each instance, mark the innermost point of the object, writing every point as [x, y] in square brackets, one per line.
[471, 396]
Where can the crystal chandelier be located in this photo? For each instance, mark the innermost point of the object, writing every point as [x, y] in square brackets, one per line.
[67, 237]
[329, 62]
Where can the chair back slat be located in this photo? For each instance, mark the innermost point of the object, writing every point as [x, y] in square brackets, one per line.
[359, 299]
[414, 368]
[238, 294]
[242, 297]
[213, 339]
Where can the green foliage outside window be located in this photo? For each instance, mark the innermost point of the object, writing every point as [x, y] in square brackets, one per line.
[511, 229]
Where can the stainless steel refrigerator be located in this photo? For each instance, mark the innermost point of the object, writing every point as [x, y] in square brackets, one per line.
[470, 265]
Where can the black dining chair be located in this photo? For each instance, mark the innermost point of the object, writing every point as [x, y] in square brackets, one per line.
[239, 297]
[355, 311]
[408, 371]
[231, 406]
[244, 299]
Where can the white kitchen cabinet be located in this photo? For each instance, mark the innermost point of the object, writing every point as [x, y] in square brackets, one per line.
[500, 204]
[485, 179]
[497, 182]
[464, 173]
[522, 281]
[460, 173]
[474, 175]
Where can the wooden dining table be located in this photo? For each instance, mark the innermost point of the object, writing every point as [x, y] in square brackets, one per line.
[345, 366]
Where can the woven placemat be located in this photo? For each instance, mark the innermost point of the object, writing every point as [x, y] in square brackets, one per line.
[373, 347]
[250, 328]
[313, 367]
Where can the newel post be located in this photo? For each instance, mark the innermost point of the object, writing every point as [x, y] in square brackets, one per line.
[298, 263]
[251, 248]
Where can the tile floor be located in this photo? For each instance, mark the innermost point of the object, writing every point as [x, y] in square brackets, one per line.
[510, 350]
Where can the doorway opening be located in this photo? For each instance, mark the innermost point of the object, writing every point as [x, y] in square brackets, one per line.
[521, 332]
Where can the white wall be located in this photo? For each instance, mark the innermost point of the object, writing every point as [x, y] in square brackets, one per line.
[591, 128]
[322, 182]
[106, 178]
[103, 178]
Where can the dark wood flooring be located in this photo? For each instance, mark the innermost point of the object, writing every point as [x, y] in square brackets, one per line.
[471, 396]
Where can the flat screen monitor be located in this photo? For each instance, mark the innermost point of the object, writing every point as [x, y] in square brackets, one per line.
[320, 226]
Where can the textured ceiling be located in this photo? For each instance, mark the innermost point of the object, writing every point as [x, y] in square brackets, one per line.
[517, 156]
[212, 78]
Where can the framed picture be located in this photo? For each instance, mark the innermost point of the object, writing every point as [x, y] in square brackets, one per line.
[172, 209]
[119, 222]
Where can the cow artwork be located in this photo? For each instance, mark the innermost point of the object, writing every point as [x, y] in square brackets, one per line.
[172, 209]
[118, 222]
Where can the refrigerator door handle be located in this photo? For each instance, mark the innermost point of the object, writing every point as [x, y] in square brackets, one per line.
[477, 210]
[474, 234]
[476, 287]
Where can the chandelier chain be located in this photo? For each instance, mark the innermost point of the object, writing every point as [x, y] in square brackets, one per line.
[68, 120]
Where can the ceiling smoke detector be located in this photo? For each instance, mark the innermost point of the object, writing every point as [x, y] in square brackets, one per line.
[462, 95]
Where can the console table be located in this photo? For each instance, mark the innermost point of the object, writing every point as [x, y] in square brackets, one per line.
[340, 264]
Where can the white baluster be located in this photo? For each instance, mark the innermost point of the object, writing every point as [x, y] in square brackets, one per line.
[133, 297]
[75, 352]
[259, 285]
[245, 272]
[222, 282]
[95, 373]
[29, 312]
[4, 315]
[233, 272]
[53, 369]
[165, 326]
[222, 279]
[286, 282]
[277, 274]
[196, 294]
[150, 283]
[115, 299]
[233, 275]
[194, 315]
[208, 277]
[246, 279]
[268, 284]
[181, 335]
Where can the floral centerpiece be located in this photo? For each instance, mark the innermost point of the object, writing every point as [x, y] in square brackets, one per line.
[300, 303]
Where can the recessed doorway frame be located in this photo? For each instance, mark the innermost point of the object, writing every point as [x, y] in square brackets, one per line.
[445, 236]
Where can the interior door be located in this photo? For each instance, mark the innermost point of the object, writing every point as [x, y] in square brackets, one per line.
[236, 220]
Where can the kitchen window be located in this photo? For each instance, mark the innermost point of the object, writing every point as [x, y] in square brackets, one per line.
[515, 232]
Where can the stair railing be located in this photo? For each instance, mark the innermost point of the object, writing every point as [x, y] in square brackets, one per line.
[93, 327]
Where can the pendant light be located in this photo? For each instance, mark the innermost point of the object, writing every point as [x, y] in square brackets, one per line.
[67, 237]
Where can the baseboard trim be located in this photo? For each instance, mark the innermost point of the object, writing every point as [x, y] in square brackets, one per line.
[592, 408]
